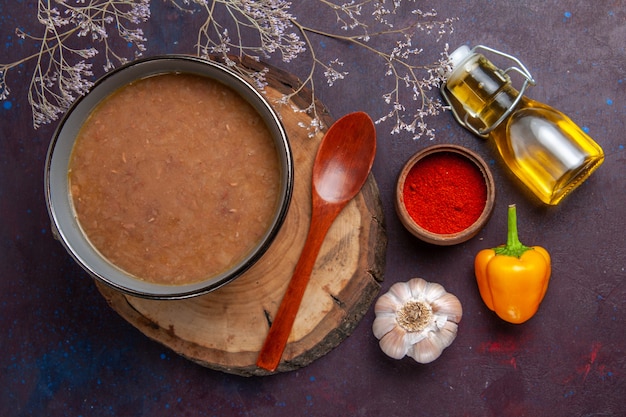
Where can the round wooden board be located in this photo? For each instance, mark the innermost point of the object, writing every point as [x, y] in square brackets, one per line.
[225, 329]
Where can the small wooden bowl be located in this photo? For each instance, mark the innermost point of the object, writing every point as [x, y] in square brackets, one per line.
[451, 238]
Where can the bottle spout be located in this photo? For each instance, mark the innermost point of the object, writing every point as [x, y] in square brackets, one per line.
[455, 59]
[459, 55]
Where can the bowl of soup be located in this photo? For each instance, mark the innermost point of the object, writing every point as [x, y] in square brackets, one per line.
[170, 178]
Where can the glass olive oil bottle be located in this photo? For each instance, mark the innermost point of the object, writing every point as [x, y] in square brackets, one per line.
[544, 148]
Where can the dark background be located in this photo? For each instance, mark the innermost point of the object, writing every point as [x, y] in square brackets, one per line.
[66, 353]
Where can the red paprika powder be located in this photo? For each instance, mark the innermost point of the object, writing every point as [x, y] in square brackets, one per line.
[444, 193]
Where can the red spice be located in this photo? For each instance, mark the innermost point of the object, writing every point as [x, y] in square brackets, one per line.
[445, 193]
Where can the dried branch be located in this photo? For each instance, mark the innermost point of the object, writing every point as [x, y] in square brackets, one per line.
[254, 29]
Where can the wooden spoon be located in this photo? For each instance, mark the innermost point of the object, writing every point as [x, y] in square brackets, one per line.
[342, 164]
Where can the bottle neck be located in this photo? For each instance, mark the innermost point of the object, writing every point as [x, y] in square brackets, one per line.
[481, 91]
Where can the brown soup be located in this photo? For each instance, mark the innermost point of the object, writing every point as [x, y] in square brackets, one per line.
[174, 178]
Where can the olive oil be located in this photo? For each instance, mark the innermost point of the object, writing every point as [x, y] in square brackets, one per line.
[544, 148]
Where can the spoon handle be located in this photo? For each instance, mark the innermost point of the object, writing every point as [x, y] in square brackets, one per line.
[276, 340]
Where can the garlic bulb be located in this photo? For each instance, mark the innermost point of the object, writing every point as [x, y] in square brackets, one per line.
[416, 318]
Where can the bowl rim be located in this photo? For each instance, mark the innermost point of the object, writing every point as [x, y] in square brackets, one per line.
[445, 239]
[64, 223]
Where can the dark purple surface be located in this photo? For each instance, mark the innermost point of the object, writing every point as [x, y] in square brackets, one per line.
[66, 353]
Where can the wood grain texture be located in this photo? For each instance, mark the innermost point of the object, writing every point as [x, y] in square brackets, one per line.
[225, 329]
[342, 165]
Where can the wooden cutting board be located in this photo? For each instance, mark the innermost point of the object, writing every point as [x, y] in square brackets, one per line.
[225, 329]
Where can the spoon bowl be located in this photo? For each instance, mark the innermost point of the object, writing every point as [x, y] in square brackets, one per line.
[343, 162]
[346, 152]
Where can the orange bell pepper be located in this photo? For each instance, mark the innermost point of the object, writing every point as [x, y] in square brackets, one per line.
[513, 278]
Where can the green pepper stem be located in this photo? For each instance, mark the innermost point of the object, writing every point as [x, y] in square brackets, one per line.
[513, 245]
